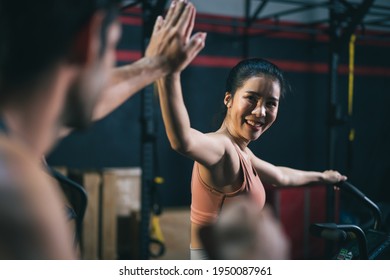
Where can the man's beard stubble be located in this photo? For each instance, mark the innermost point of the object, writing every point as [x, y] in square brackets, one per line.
[77, 113]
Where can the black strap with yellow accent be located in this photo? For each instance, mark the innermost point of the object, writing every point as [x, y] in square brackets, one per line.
[351, 133]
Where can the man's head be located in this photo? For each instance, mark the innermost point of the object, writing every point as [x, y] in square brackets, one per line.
[38, 36]
[245, 232]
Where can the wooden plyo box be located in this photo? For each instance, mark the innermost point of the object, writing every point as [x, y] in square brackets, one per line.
[113, 197]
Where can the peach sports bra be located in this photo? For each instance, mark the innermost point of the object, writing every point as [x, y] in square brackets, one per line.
[207, 202]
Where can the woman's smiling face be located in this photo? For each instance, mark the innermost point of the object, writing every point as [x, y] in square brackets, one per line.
[253, 107]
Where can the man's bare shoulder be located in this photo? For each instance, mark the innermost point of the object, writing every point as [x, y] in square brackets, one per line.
[31, 208]
[18, 169]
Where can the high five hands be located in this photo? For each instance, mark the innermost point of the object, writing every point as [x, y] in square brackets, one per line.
[171, 39]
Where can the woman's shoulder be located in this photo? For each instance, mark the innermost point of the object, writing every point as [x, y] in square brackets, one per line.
[222, 138]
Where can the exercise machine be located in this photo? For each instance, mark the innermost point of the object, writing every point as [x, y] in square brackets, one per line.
[353, 241]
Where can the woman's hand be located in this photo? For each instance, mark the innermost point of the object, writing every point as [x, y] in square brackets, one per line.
[332, 177]
[171, 41]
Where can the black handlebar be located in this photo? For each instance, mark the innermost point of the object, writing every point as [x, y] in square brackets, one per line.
[340, 233]
[345, 185]
[328, 231]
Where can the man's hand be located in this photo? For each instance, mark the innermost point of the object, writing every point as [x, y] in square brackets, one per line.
[171, 41]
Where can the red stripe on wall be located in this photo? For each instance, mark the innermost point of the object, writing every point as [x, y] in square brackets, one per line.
[127, 56]
[135, 19]
[285, 65]
[215, 61]
[322, 68]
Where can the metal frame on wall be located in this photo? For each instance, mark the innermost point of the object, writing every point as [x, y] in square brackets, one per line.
[150, 11]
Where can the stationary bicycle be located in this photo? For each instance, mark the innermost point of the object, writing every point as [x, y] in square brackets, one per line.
[352, 241]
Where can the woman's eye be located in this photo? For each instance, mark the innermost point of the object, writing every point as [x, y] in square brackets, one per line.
[251, 98]
[272, 104]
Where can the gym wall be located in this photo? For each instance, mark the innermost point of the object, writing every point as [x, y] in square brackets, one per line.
[297, 139]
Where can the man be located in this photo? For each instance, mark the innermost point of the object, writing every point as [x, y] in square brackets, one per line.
[243, 232]
[56, 59]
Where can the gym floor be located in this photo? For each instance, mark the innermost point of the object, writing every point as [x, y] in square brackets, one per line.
[175, 225]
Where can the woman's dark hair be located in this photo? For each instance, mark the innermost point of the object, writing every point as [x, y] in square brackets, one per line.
[253, 67]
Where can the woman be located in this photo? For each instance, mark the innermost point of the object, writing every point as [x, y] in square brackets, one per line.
[225, 167]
